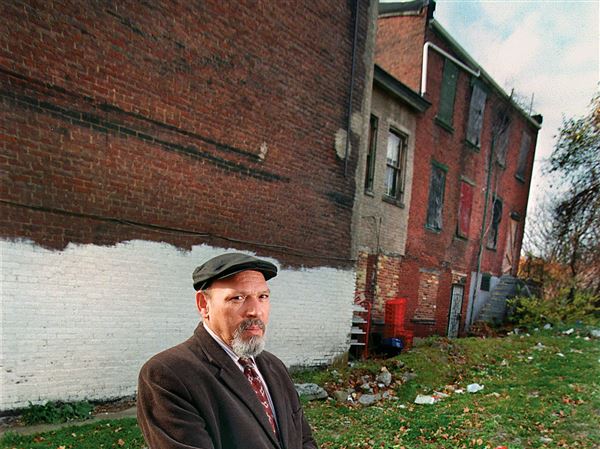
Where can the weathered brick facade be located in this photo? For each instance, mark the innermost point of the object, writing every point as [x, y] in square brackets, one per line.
[170, 115]
[434, 261]
[206, 126]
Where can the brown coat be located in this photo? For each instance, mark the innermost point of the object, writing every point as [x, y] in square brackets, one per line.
[194, 396]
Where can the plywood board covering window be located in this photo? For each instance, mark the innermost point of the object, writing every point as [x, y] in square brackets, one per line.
[448, 93]
[523, 155]
[478, 97]
[435, 205]
[464, 209]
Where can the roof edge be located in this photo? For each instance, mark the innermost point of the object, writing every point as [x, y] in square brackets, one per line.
[390, 9]
[400, 90]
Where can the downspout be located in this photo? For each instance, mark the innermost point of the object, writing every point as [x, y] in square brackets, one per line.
[350, 95]
[431, 45]
[481, 235]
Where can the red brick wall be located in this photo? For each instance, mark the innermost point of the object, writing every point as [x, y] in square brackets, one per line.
[399, 47]
[149, 120]
[401, 57]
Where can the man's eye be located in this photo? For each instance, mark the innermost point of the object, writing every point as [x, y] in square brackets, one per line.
[237, 298]
[264, 297]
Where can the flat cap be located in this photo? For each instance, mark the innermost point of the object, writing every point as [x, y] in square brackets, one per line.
[228, 264]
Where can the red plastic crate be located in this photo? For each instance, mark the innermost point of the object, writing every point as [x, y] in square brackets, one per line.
[395, 312]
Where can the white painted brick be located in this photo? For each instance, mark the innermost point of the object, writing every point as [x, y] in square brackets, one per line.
[79, 323]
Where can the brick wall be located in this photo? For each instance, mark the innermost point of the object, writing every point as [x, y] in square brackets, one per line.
[402, 57]
[196, 118]
[141, 139]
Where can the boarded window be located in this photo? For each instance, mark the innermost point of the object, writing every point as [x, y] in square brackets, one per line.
[395, 165]
[501, 132]
[478, 97]
[523, 156]
[495, 224]
[464, 209]
[448, 92]
[435, 205]
[370, 174]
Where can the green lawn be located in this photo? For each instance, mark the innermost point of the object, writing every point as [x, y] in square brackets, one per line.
[544, 396]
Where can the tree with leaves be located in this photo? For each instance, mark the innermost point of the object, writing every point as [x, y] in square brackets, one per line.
[575, 164]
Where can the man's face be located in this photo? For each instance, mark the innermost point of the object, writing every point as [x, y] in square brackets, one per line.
[237, 303]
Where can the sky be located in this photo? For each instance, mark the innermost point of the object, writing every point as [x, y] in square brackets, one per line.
[548, 49]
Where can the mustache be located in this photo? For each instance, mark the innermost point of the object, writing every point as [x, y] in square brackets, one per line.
[254, 322]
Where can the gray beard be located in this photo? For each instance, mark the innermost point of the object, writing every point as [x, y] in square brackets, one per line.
[247, 348]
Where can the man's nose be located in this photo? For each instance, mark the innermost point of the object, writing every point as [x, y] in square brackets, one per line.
[253, 307]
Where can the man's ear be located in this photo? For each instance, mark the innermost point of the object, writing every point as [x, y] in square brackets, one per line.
[202, 304]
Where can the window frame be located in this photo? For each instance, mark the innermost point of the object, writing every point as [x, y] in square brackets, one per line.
[371, 154]
[460, 232]
[443, 169]
[476, 114]
[447, 100]
[399, 169]
[501, 140]
[523, 156]
[494, 229]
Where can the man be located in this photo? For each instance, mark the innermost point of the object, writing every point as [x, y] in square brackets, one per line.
[219, 389]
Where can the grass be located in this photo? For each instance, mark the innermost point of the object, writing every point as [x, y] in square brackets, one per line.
[533, 398]
[119, 433]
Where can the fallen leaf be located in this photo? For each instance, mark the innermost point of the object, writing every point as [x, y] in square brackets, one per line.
[120, 442]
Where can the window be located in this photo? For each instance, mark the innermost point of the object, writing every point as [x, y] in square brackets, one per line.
[523, 156]
[484, 285]
[370, 174]
[435, 205]
[464, 209]
[500, 133]
[395, 163]
[448, 92]
[478, 97]
[495, 224]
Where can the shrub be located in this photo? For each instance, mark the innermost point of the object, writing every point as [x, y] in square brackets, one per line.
[536, 311]
[56, 412]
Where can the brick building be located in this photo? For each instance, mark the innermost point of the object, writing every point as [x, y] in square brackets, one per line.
[452, 205]
[139, 139]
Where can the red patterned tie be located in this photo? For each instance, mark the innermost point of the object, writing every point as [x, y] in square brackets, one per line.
[258, 388]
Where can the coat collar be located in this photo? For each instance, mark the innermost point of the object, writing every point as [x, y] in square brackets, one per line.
[235, 380]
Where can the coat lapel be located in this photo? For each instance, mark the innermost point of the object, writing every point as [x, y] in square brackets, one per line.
[234, 379]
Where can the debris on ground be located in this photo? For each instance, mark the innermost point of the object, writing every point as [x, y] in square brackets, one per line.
[474, 388]
[369, 399]
[425, 399]
[568, 332]
[385, 377]
[311, 392]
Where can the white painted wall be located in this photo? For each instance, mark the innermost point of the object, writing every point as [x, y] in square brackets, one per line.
[79, 323]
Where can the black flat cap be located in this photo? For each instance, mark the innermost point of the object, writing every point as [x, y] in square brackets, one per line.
[227, 264]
